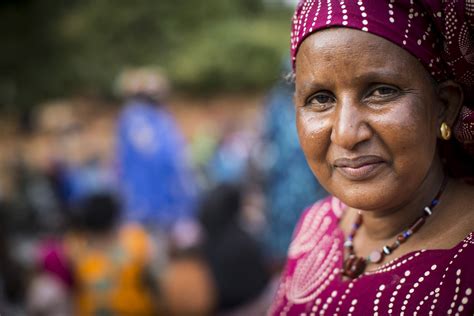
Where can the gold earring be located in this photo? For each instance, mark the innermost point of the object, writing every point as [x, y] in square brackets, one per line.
[445, 131]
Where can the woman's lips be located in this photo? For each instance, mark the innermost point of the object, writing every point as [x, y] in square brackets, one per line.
[359, 168]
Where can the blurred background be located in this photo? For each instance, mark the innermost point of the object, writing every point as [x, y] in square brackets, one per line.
[149, 162]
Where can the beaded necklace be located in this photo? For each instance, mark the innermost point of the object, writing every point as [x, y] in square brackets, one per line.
[355, 266]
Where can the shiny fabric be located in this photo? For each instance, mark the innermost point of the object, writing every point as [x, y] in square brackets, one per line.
[423, 282]
[439, 33]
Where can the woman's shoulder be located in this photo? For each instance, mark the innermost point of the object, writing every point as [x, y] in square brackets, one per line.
[316, 222]
[328, 207]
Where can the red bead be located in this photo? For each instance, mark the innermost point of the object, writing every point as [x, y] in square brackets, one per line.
[354, 266]
[401, 238]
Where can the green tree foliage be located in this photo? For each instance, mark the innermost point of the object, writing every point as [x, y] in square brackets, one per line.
[54, 48]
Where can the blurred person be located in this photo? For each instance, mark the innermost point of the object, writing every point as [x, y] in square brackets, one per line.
[49, 290]
[115, 267]
[59, 169]
[57, 166]
[157, 183]
[87, 179]
[74, 150]
[235, 259]
[36, 191]
[30, 209]
[50, 280]
[288, 183]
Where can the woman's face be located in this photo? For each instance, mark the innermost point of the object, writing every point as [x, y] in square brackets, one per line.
[367, 117]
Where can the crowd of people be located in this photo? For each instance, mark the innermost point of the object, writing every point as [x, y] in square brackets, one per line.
[112, 211]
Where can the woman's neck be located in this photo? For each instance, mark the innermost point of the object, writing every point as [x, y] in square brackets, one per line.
[385, 224]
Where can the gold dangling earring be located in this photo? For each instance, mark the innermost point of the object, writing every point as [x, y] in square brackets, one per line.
[445, 131]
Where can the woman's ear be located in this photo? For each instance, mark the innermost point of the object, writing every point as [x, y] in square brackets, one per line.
[451, 96]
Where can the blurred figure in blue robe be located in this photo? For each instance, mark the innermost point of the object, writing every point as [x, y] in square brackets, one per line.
[157, 182]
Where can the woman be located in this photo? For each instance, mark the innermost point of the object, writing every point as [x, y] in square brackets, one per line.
[380, 85]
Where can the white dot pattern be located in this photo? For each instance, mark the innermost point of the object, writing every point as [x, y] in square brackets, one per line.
[457, 35]
[312, 283]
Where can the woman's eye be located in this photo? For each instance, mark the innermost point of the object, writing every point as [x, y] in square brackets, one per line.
[384, 92]
[320, 101]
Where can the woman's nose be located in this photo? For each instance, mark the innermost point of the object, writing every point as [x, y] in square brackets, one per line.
[350, 126]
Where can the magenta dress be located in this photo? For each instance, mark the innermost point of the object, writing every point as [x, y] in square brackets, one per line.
[424, 282]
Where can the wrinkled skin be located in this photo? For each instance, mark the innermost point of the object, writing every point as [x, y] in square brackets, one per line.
[358, 95]
[368, 118]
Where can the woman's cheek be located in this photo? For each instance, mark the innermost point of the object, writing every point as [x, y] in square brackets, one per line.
[310, 125]
[406, 130]
[314, 136]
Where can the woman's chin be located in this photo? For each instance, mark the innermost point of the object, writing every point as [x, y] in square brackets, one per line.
[364, 204]
[369, 197]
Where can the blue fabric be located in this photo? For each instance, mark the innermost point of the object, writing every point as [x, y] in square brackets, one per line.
[230, 161]
[157, 183]
[81, 181]
[290, 185]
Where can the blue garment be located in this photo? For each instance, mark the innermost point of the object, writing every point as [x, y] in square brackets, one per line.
[290, 186]
[157, 183]
[230, 161]
[90, 178]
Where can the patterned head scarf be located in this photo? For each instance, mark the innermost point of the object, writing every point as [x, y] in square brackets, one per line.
[439, 33]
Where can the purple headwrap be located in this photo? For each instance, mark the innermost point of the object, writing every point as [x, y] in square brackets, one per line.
[439, 33]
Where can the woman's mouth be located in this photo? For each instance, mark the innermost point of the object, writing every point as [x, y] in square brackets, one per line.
[359, 168]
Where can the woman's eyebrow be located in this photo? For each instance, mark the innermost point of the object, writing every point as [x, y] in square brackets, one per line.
[372, 75]
[379, 74]
[307, 87]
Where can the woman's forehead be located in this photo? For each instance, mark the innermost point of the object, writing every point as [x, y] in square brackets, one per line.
[353, 50]
[349, 41]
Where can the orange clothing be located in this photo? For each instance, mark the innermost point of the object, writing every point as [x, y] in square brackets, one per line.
[110, 275]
